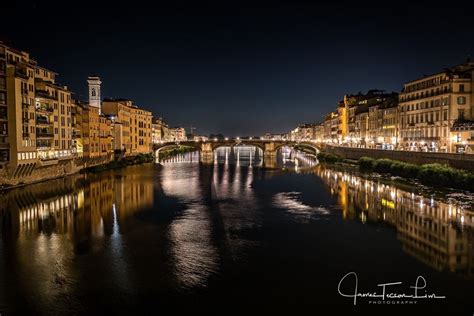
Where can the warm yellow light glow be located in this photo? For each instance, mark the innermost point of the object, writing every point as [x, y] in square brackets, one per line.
[389, 204]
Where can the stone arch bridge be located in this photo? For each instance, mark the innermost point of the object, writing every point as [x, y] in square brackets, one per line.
[206, 148]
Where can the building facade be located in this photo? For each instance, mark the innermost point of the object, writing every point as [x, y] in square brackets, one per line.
[35, 115]
[132, 126]
[430, 106]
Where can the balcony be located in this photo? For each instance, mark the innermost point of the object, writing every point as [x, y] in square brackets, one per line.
[21, 74]
[427, 95]
[43, 121]
[45, 94]
[44, 108]
[44, 134]
[43, 144]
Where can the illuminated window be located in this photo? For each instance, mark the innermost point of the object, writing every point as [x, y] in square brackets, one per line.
[461, 100]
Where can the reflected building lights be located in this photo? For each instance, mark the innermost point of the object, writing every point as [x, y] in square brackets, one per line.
[427, 229]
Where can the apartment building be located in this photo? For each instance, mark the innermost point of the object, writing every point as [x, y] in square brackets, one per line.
[35, 115]
[365, 122]
[4, 141]
[92, 130]
[179, 134]
[132, 126]
[430, 106]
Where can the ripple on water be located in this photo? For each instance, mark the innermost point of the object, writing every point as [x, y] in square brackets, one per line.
[291, 202]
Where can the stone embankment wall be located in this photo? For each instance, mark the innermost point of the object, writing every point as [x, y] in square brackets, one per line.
[39, 172]
[460, 161]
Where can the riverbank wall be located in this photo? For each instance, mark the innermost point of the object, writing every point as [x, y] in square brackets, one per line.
[53, 169]
[459, 161]
[45, 170]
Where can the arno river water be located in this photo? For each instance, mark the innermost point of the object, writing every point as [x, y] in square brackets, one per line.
[227, 236]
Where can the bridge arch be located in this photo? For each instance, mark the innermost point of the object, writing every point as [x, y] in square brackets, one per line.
[295, 144]
[167, 146]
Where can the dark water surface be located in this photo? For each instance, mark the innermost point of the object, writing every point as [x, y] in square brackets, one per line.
[226, 237]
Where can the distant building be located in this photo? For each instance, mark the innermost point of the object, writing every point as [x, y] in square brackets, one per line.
[270, 136]
[200, 138]
[366, 124]
[132, 126]
[179, 134]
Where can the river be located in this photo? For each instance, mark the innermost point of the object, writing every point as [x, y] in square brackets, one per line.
[183, 235]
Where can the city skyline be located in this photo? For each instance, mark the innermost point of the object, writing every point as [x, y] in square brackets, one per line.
[224, 69]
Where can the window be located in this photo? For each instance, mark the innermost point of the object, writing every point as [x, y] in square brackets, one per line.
[461, 115]
[461, 100]
[461, 88]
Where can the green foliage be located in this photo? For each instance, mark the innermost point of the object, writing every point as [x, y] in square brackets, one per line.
[435, 175]
[366, 163]
[383, 165]
[116, 164]
[441, 175]
[328, 157]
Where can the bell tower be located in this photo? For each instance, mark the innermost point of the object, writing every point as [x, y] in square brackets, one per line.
[94, 91]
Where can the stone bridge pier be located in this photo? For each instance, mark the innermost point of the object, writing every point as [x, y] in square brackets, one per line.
[270, 155]
[207, 153]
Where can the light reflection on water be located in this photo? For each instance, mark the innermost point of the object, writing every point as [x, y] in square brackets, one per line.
[291, 202]
[437, 233]
[180, 226]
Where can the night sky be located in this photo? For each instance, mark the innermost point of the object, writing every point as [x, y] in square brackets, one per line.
[235, 68]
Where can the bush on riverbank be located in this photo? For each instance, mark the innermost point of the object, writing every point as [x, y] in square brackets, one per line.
[328, 157]
[116, 164]
[435, 175]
